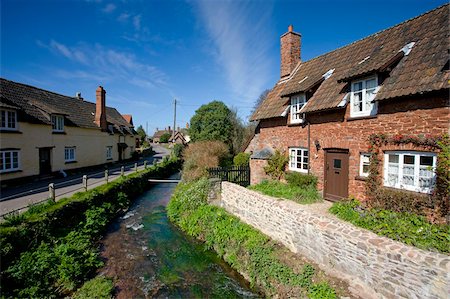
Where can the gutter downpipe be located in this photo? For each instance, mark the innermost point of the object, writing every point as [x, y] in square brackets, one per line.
[309, 141]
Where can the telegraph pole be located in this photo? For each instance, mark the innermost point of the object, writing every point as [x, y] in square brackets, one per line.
[174, 118]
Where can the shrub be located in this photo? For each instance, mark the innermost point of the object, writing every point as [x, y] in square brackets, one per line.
[404, 227]
[241, 159]
[276, 165]
[177, 151]
[164, 138]
[399, 201]
[301, 180]
[99, 287]
[200, 156]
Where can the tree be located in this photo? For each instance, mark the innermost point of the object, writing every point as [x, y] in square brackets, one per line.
[164, 138]
[212, 121]
[141, 133]
[260, 99]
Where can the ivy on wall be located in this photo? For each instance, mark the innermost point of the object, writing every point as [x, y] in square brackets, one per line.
[436, 203]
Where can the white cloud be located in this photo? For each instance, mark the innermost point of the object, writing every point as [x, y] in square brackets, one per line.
[137, 22]
[109, 8]
[72, 54]
[123, 17]
[240, 32]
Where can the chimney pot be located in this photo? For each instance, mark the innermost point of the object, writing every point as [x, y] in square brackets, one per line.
[290, 28]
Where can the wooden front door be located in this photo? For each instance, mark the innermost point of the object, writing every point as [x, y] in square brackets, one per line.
[336, 174]
[45, 166]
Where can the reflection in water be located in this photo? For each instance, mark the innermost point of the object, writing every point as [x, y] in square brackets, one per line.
[149, 258]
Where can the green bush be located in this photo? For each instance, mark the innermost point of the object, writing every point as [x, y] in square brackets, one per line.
[321, 291]
[164, 138]
[404, 227]
[177, 151]
[276, 165]
[302, 195]
[99, 287]
[243, 247]
[301, 180]
[241, 159]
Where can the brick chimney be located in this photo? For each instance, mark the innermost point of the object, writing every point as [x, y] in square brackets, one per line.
[290, 51]
[100, 109]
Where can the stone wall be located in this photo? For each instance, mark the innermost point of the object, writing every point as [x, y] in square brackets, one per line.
[381, 266]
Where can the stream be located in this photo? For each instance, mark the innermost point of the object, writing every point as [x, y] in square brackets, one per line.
[148, 257]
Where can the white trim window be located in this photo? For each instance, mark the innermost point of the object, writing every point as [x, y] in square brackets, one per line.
[414, 171]
[298, 159]
[297, 103]
[364, 163]
[9, 160]
[362, 97]
[109, 152]
[69, 154]
[58, 123]
[8, 119]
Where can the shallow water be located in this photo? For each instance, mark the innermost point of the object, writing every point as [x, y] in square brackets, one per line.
[150, 258]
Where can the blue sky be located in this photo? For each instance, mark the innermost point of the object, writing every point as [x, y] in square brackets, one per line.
[146, 53]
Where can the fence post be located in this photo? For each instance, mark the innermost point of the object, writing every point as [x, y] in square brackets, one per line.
[122, 171]
[51, 191]
[106, 175]
[135, 167]
[85, 178]
[145, 164]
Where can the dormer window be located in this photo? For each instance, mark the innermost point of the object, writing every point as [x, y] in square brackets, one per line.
[58, 123]
[362, 97]
[297, 103]
[8, 120]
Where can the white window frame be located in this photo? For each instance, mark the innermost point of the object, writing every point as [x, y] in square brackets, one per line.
[6, 115]
[109, 152]
[69, 154]
[367, 98]
[13, 166]
[57, 123]
[399, 184]
[297, 104]
[364, 159]
[293, 159]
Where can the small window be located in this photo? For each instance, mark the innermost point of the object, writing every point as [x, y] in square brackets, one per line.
[364, 163]
[337, 163]
[297, 104]
[298, 159]
[69, 154]
[9, 161]
[412, 171]
[109, 152]
[8, 119]
[58, 123]
[362, 96]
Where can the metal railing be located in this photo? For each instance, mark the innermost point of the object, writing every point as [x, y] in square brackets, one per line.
[81, 183]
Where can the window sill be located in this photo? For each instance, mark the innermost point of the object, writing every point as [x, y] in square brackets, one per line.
[299, 170]
[70, 162]
[415, 192]
[10, 171]
[59, 133]
[361, 178]
[109, 159]
[3, 131]
[361, 117]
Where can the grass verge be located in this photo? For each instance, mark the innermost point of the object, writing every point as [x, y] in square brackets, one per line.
[302, 195]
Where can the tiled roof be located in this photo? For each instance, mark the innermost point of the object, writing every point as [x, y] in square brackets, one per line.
[36, 105]
[159, 133]
[421, 71]
[128, 118]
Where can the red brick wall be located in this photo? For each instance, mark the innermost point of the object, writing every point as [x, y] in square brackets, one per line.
[335, 129]
[290, 52]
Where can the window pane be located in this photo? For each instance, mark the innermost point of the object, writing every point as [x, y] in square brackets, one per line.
[357, 86]
[393, 169]
[305, 159]
[11, 119]
[426, 160]
[425, 182]
[407, 159]
[305, 153]
[408, 170]
[15, 163]
[7, 160]
[393, 158]
[305, 166]
[3, 119]
[2, 164]
[372, 83]
[337, 163]
[408, 180]
[365, 168]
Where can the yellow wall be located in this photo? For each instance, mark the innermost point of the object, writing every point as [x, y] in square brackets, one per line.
[90, 147]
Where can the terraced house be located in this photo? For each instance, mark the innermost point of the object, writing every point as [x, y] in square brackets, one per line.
[322, 112]
[44, 132]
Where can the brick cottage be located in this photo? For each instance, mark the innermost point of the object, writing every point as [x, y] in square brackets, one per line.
[323, 111]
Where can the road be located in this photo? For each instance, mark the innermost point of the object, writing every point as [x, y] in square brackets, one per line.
[19, 198]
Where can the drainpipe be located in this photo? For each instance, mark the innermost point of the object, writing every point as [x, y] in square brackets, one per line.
[309, 144]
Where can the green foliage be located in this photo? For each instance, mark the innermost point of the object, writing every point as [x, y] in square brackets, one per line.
[321, 291]
[301, 180]
[99, 287]
[276, 165]
[399, 201]
[53, 249]
[243, 247]
[211, 122]
[404, 227]
[164, 138]
[241, 159]
[302, 195]
[141, 133]
[177, 151]
[14, 218]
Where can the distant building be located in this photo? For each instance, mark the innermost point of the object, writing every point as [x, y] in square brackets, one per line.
[43, 132]
[178, 138]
